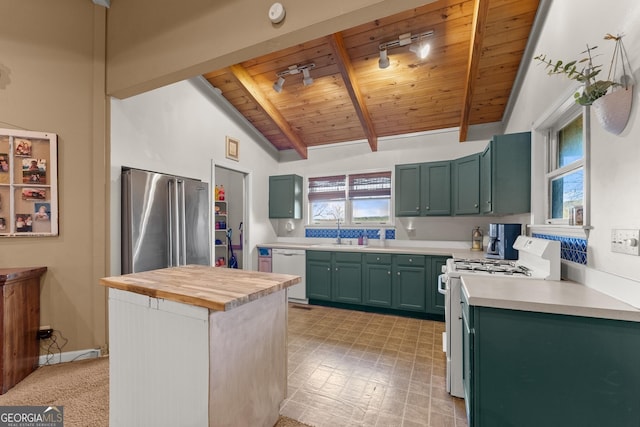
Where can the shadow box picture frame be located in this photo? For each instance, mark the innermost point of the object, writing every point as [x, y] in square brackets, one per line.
[233, 149]
[28, 183]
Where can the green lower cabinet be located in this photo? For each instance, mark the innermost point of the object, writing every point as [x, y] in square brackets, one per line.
[398, 281]
[530, 369]
[347, 277]
[318, 275]
[435, 301]
[409, 282]
[334, 276]
[377, 280]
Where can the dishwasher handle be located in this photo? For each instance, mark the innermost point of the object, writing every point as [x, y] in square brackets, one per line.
[288, 252]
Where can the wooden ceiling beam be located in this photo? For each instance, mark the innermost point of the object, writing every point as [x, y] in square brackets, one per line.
[351, 84]
[480, 13]
[244, 78]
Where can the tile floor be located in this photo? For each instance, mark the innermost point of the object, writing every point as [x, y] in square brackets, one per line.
[350, 368]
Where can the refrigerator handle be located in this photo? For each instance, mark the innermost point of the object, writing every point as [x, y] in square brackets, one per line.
[182, 245]
[173, 224]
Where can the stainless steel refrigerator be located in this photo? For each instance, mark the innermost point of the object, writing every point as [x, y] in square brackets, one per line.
[165, 221]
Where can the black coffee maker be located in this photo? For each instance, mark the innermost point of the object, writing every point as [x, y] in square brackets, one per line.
[501, 239]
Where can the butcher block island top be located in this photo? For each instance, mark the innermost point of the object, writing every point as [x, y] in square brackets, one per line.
[215, 288]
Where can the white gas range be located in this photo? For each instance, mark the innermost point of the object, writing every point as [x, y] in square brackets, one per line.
[537, 259]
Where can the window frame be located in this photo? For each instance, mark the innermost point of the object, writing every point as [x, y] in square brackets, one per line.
[563, 116]
[348, 201]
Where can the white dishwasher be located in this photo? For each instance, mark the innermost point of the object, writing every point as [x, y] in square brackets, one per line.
[291, 261]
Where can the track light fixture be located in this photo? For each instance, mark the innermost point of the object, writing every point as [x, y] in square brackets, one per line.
[294, 69]
[277, 86]
[420, 48]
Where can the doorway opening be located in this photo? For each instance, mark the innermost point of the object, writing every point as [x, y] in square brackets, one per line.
[229, 221]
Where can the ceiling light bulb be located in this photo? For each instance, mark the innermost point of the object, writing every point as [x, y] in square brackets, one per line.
[421, 49]
[306, 78]
[383, 62]
[277, 86]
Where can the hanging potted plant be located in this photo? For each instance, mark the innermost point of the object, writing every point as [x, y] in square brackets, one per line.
[613, 109]
[610, 98]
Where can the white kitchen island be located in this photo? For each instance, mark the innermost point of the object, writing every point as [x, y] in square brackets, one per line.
[197, 346]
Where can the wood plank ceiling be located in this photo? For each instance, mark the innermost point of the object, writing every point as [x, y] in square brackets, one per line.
[467, 78]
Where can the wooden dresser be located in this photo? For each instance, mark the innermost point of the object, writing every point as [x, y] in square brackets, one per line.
[19, 323]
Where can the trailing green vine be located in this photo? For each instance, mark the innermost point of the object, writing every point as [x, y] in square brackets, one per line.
[583, 71]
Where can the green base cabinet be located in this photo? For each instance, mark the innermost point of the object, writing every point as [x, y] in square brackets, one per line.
[377, 280]
[334, 276]
[409, 282]
[391, 281]
[285, 196]
[347, 277]
[318, 275]
[435, 302]
[505, 175]
[530, 369]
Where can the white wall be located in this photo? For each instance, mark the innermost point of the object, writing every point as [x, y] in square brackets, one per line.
[180, 129]
[572, 24]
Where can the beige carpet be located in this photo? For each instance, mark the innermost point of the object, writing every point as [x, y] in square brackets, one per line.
[82, 387]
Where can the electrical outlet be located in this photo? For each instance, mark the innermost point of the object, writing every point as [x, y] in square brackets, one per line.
[625, 241]
[45, 332]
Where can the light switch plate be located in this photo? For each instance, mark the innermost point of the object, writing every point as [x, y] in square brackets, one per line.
[625, 241]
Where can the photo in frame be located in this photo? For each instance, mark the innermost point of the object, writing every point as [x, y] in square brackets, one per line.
[233, 149]
[34, 171]
[23, 147]
[34, 193]
[4, 162]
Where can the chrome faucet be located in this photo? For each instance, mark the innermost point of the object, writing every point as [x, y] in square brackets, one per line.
[339, 240]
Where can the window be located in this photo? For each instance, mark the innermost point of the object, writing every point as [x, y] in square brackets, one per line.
[353, 199]
[565, 172]
[327, 199]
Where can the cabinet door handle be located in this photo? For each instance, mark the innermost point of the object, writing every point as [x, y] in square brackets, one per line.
[475, 205]
[398, 273]
[426, 207]
[389, 272]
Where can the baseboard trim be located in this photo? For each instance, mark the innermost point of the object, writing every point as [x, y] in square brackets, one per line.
[68, 356]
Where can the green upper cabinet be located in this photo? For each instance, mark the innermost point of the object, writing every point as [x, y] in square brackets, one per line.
[466, 185]
[407, 182]
[423, 189]
[435, 188]
[505, 175]
[285, 196]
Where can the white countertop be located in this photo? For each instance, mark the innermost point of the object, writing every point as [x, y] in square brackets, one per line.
[546, 296]
[395, 249]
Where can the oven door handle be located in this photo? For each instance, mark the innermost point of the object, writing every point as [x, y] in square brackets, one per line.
[441, 284]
